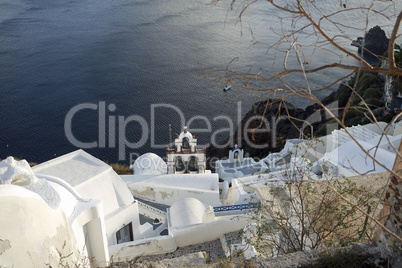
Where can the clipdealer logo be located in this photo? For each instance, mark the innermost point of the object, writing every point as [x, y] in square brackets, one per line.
[112, 128]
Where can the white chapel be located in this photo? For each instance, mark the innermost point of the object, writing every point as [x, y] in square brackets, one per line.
[185, 156]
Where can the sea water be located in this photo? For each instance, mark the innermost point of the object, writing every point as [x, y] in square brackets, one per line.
[109, 76]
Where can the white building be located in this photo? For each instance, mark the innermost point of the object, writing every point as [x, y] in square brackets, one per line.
[186, 157]
[337, 153]
[75, 208]
[47, 215]
[83, 172]
[346, 157]
[372, 150]
[237, 165]
[170, 188]
[183, 175]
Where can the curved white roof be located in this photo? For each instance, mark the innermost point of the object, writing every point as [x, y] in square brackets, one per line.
[82, 171]
[187, 211]
[16, 191]
[55, 195]
[183, 135]
[31, 231]
[149, 163]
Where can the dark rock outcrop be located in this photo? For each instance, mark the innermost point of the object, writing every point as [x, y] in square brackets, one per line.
[278, 121]
[375, 42]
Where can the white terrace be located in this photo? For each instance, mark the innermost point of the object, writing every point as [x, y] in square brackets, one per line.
[337, 152]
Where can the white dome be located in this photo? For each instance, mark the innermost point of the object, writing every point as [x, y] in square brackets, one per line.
[32, 232]
[187, 211]
[149, 163]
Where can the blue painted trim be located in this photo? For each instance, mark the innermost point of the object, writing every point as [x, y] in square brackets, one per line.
[236, 207]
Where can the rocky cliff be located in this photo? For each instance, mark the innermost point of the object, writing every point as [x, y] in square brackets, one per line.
[375, 42]
[266, 126]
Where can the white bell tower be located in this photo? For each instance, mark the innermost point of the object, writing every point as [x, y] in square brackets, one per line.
[185, 157]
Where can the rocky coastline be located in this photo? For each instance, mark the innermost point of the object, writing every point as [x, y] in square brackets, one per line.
[279, 120]
[268, 124]
[374, 43]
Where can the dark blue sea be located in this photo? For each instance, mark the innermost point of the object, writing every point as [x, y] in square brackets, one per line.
[110, 76]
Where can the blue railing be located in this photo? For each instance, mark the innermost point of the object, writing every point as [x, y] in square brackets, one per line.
[236, 207]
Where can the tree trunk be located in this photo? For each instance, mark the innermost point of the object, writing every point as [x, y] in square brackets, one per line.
[391, 216]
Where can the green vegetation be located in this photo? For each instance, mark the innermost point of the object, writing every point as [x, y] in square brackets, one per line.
[363, 93]
[362, 89]
[357, 98]
[309, 214]
[121, 169]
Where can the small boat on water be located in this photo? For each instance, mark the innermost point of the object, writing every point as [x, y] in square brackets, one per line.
[227, 87]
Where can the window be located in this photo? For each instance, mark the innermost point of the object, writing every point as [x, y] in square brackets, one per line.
[125, 234]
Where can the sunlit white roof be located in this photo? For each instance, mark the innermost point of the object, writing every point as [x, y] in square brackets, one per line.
[353, 160]
[360, 133]
[91, 177]
[200, 181]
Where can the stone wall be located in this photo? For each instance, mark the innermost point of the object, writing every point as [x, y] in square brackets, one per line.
[213, 250]
[297, 259]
